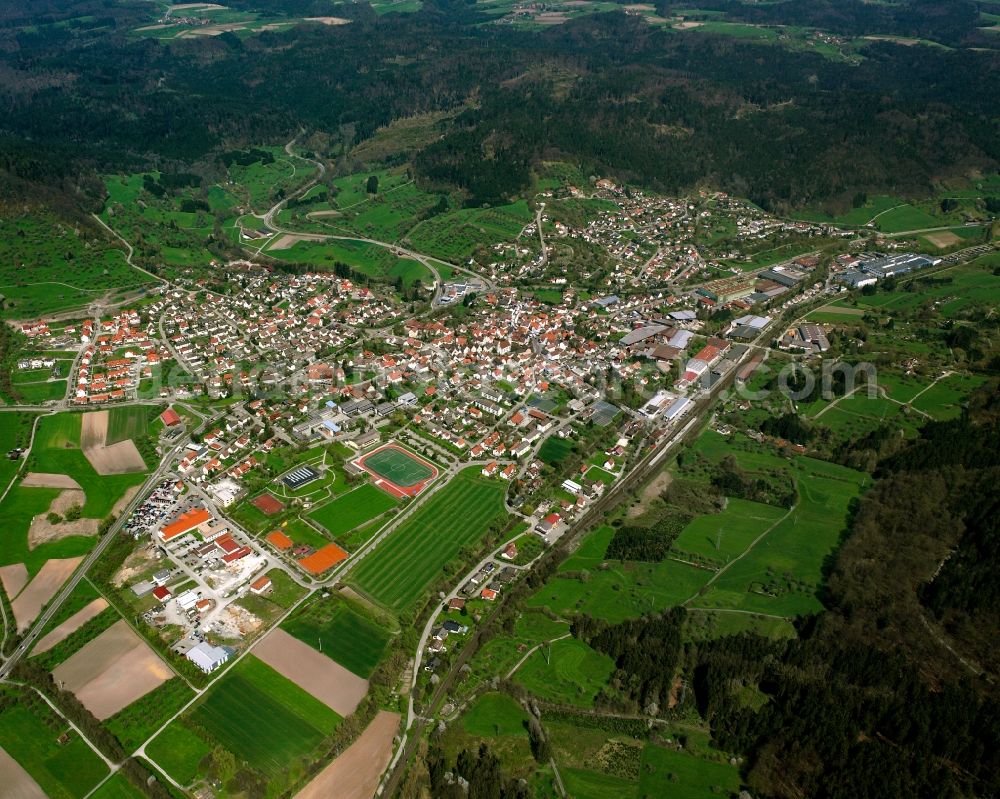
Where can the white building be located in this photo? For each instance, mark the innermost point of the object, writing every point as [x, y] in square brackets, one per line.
[187, 600]
[572, 487]
[207, 657]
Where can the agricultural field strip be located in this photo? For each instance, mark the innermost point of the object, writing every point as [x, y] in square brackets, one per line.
[391, 575]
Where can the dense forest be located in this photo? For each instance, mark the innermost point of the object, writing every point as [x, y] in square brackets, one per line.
[609, 92]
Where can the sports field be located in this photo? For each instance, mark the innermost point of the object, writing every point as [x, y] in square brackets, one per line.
[341, 633]
[396, 466]
[352, 509]
[253, 699]
[404, 565]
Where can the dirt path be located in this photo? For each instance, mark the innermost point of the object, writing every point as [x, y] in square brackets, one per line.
[71, 625]
[328, 681]
[355, 774]
[40, 590]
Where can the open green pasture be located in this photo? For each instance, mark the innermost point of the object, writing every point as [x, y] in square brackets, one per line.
[944, 399]
[260, 184]
[132, 725]
[342, 633]
[456, 235]
[612, 589]
[127, 422]
[17, 510]
[554, 450]
[722, 536]
[117, 787]
[493, 715]
[57, 450]
[857, 415]
[681, 775]
[15, 431]
[566, 671]
[782, 573]
[48, 265]
[158, 225]
[386, 215]
[369, 259]
[501, 653]
[711, 624]
[178, 750]
[404, 565]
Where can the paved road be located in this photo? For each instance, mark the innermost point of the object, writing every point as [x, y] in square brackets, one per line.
[154, 479]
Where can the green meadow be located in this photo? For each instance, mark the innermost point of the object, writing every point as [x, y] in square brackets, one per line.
[493, 715]
[47, 266]
[782, 573]
[334, 627]
[456, 235]
[720, 537]
[29, 733]
[566, 671]
[250, 699]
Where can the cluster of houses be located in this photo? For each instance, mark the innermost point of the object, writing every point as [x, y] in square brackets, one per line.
[282, 323]
[647, 238]
[117, 354]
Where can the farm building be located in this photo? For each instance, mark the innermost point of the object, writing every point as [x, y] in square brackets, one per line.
[161, 592]
[261, 585]
[207, 657]
[170, 417]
